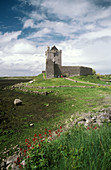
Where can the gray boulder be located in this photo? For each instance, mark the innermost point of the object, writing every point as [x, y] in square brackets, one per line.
[17, 102]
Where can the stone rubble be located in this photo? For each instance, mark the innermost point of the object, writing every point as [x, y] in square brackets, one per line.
[10, 160]
[20, 85]
[92, 119]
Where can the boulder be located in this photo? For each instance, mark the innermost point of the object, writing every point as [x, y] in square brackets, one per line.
[31, 124]
[31, 81]
[17, 102]
[81, 120]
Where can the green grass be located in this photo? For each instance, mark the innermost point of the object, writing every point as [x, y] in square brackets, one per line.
[106, 77]
[39, 81]
[90, 79]
[52, 111]
[49, 111]
[78, 148]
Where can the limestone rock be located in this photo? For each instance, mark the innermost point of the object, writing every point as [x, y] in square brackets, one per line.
[31, 81]
[98, 119]
[17, 102]
[94, 118]
[31, 124]
[108, 110]
[11, 159]
[9, 162]
[81, 122]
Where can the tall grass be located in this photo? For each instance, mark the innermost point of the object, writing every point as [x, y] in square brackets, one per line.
[79, 148]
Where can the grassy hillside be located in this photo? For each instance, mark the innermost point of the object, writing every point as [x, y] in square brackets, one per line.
[48, 112]
[41, 80]
[93, 79]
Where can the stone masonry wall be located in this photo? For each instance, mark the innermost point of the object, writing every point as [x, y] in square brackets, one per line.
[57, 57]
[57, 70]
[84, 71]
[70, 70]
[49, 68]
[54, 68]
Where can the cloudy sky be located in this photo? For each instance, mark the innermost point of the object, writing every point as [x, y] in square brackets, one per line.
[80, 28]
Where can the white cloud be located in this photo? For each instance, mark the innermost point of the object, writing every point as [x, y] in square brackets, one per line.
[66, 8]
[97, 34]
[20, 54]
[7, 37]
[36, 16]
[23, 47]
[54, 27]
[84, 26]
[28, 23]
[43, 32]
[96, 55]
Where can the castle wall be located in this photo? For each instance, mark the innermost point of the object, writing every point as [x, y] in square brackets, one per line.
[57, 70]
[84, 71]
[54, 68]
[57, 57]
[49, 68]
[50, 55]
[70, 70]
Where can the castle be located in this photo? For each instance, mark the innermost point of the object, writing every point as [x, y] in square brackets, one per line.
[55, 69]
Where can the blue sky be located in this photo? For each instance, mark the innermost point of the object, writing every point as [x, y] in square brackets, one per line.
[80, 28]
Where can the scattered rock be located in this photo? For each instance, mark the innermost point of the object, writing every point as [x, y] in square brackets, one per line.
[31, 124]
[20, 85]
[17, 102]
[108, 110]
[89, 120]
[81, 122]
[31, 81]
[9, 162]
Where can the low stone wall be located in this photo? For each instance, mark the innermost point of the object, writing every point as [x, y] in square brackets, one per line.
[48, 87]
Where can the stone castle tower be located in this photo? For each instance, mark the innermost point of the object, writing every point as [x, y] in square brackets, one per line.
[55, 69]
[53, 60]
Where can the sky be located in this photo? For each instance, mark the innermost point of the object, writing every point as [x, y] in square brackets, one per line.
[80, 28]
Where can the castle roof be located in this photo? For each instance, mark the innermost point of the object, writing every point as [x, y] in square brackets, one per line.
[54, 48]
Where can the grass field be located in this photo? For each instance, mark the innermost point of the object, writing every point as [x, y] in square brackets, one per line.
[49, 111]
[93, 79]
[40, 81]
